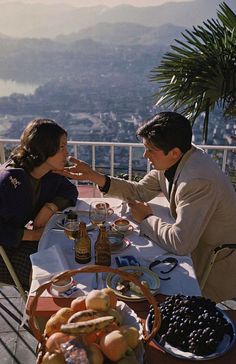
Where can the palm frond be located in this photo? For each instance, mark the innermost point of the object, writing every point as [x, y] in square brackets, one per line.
[199, 72]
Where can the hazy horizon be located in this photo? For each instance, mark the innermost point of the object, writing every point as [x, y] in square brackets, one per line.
[87, 3]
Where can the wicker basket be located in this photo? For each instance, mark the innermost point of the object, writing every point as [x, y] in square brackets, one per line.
[90, 269]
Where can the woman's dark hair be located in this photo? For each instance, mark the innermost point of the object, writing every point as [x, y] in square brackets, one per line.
[166, 131]
[39, 140]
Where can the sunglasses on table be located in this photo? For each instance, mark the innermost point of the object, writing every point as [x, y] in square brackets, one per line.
[171, 264]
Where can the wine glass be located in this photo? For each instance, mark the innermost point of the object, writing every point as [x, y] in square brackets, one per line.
[98, 212]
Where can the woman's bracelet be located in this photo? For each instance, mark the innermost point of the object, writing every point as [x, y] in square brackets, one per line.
[51, 206]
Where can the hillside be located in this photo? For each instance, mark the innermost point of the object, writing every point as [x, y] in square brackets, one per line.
[48, 21]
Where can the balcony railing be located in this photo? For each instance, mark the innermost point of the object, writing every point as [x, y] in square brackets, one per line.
[88, 151]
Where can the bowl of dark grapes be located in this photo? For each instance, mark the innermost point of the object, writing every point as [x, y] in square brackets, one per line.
[192, 327]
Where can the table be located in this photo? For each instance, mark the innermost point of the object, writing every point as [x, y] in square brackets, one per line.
[184, 274]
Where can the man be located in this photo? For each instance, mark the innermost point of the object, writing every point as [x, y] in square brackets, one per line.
[202, 199]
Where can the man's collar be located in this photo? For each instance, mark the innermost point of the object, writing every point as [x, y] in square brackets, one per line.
[170, 172]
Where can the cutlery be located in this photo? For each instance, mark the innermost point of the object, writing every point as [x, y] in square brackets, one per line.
[104, 279]
[95, 281]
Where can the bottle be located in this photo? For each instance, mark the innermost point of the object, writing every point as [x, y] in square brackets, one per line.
[102, 247]
[82, 245]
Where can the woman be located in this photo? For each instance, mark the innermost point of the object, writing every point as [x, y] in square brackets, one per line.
[30, 193]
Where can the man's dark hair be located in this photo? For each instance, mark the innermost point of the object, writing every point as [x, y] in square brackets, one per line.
[39, 140]
[166, 131]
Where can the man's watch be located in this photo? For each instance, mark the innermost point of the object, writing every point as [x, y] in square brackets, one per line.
[51, 206]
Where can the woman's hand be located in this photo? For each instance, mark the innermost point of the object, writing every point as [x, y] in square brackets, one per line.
[139, 210]
[82, 171]
[31, 235]
[42, 218]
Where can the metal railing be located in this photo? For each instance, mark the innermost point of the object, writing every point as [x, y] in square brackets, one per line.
[219, 152]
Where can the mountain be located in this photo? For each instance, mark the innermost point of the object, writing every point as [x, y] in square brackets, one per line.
[126, 34]
[48, 21]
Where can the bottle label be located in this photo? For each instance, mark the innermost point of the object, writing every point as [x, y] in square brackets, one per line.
[103, 258]
[82, 257]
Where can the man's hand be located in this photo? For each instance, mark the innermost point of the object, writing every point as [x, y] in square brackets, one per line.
[82, 171]
[139, 210]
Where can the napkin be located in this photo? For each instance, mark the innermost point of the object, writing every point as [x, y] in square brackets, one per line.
[47, 262]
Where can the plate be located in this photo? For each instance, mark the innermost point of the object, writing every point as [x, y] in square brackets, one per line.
[83, 216]
[225, 345]
[147, 275]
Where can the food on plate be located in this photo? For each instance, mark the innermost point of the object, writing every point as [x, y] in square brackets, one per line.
[95, 354]
[192, 324]
[131, 335]
[124, 286]
[95, 332]
[53, 358]
[55, 321]
[55, 340]
[84, 315]
[129, 358]
[114, 345]
[98, 300]
[85, 327]
[115, 314]
[111, 294]
[78, 304]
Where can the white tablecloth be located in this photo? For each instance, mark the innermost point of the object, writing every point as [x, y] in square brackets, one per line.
[56, 253]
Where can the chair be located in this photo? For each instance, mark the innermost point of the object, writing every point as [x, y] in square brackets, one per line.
[12, 273]
[212, 259]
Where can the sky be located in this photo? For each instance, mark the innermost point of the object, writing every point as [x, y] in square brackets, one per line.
[110, 3]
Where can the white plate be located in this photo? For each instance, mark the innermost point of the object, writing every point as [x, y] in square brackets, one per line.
[83, 216]
[150, 277]
[225, 345]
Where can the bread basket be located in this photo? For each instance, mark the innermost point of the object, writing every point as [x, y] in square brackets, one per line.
[89, 269]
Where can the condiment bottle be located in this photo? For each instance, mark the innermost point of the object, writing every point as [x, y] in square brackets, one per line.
[102, 247]
[82, 245]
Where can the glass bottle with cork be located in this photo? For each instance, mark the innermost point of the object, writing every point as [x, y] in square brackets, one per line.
[102, 247]
[82, 245]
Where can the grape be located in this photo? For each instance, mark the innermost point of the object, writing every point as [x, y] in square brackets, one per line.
[192, 323]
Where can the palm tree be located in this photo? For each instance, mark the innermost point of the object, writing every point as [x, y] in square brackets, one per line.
[200, 72]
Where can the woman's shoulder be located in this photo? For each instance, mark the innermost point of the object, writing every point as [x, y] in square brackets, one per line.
[11, 174]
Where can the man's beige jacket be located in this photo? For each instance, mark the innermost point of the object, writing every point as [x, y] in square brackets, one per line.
[203, 205]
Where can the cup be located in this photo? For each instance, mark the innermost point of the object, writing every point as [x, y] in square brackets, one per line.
[122, 225]
[63, 284]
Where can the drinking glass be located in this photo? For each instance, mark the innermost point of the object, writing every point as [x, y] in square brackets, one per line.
[98, 212]
[71, 228]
